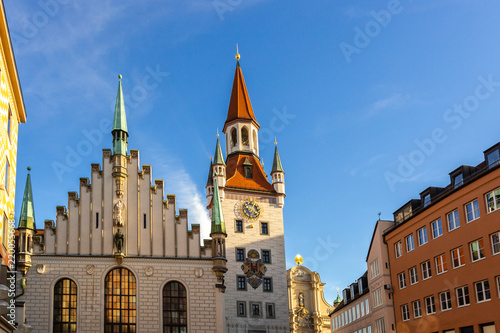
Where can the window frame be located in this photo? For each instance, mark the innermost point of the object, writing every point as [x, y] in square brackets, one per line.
[441, 264]
[60, 304]
[485, 285]
[408, 243]
[496, 200]
[427, 263]
[495, 245]
[378, 299]
[268, 289]
[398, 249]
[238, 313]
[413, 273]
[432, 305]
[446, 301]
[180, 295]
[131, 279]
[237, 257]
[374, 269]
[465, 296]
[475, 208]
[238, 285]
[273, 315]
[251, 306]
[422, 236]
[237, 224]
[266, 224]
[419, 308]
[481, 255]
[460, 258]
[437, 228]
[455, 220]
[405, 312]
[268, 256]
[402, 280]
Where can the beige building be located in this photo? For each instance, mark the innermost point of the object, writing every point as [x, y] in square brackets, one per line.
[256, 290]
[367, 305]
[119, 258]
[308, 310]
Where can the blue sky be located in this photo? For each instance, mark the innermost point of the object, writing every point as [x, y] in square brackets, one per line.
[371, 102]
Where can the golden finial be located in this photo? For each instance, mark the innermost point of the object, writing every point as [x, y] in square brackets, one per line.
[211, 158]
[298, 259]
[119, 76]
[237, 54]
[262, 162]
[275, 142]
[217, 132]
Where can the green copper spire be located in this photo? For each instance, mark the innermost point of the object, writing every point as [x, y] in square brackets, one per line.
[277, 167]
[338, 300]
[119, 131]
[27, 219]
[218, 225]
[219, 159]
[210, 180]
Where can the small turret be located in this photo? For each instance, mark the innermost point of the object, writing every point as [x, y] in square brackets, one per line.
[218, 234]
[119, 131]
[278, 177]
[27, 228]
[210, 184]
[219, 168]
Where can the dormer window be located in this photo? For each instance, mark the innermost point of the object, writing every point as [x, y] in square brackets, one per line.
[458, 180]
[427, 200]
[493, 158]
[247, 169]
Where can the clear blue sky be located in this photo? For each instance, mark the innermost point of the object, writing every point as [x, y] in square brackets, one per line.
[366, 91]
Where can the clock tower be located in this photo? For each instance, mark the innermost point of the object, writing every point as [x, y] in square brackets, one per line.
[256, 298]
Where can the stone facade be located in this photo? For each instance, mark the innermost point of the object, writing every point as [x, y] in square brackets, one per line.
[308, 310]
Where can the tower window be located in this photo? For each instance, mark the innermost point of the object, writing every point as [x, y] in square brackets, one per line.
[239, 226]
[96, 220]
[244, 136]
[264, 229]
[248, 171]
[234, 138]
[144, 221]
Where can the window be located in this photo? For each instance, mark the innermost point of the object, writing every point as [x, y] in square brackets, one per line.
[457, 257]
[144, 221]
[268, 284]
[430, 305]
[96, 220]
[493, 200]
[244, 136]
[472, 211]
[405, 313]
[402, 280]
[495, 242]
[247, 168]
[482, 291]
[417, 309]
[413, 275]
[264, 228]
[498, 285]
[377, 298]
[458, 180]
[358, 312]
[266, 256]
[441, 266]
[374, 268]
[350, 315]
[445, 299]
[239, 226]
[398, 250]
[427, 200]
[463, 296]
[120, 301]
[241, 283]
[234, 137]
[256, 310]
[493, 158]
[65, 306]
[422, 236]
[453, 220]
[367, 305]
[437, 229]
[362, 309]
[379, 326]
[241, 309]
[476, 250]
[270, 310]
[426, 270]
[488, 328]
[174, 308]
[410, 245]
[240, 254]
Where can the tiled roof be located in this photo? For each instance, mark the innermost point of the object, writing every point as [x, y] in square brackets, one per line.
[236, 176]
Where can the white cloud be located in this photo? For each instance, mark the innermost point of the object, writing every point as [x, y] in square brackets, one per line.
[394, 101]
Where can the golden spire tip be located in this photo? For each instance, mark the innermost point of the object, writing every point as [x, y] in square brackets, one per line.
[298, 259]
[237, 53]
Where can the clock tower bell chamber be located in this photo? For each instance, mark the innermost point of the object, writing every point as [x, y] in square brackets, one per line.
[256, 287]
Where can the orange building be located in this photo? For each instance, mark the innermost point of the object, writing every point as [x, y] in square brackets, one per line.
[444, 253]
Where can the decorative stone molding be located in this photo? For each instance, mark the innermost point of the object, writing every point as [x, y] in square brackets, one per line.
[40, 269]
[90, 269]
[96, 167]
[198, 272]
[148, 270]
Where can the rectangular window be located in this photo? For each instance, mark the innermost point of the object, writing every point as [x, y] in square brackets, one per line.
[453, 220]
[266, 256]
[426, 270]
[458, 180]
[362, 309]
[241, 308]
[96, 220]
[482, 291]
[268, 284]
[441, 266]
[495, 242]
[240, 254]
[457, 257]
[398, 249]
[437, 229]
[239, 226]
[144, 221]
[488, 328]
[264, 228]
[413, 275]
[462, 296]
[374, 268]
[417, 309]
[367, 306]
[379, 326]
[349, 314]
[256, 311]
[410, 244]
[422, 236]
[430, 305]
[377, 298]
[402, 280]
[445, 299]
[498, 285]
[427, 200]
[476, 250]
[405, 313]
[493, 158]
[270, 310]
[241, 283]
[358, 313]
[472, 211]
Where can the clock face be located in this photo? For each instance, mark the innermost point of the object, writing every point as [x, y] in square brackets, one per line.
[251, 209]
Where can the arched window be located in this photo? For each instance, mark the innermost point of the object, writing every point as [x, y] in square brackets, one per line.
[255, 141]
[234, 137]
[244, 136]
[174, 308]
[65, 305]
[120, 301]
